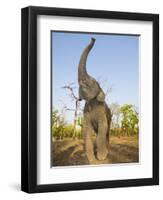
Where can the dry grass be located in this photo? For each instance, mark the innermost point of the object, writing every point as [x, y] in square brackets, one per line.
[71, 152]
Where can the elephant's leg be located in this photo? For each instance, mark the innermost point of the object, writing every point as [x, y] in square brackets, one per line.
[101, 140]
[89, 147]
[108, 137]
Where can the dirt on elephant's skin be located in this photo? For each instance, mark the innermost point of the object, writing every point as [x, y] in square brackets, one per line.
[68, 152]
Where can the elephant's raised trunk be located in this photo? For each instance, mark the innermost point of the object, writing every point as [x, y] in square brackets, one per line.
[82, 72]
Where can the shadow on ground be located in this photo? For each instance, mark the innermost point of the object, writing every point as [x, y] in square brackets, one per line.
[71, 152]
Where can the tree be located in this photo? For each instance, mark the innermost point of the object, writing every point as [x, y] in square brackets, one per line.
[58, 124]
[130, 119]
[115, 115]
[55, 118]
[77, 105]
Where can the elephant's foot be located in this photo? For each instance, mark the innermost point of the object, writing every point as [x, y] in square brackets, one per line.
[102, 154]
[94, 162]
[91, 158]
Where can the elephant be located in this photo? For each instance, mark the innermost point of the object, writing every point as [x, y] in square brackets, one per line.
[97, 115]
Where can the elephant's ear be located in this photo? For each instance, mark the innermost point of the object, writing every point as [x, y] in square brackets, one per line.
[101, 96]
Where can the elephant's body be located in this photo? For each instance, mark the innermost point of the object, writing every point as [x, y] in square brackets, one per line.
[97, 116]
[97, 111]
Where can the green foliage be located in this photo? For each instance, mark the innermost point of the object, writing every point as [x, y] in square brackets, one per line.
[80, 121]
[61, 130]
[116, 132]
[125, 122]
[66, 131]
[129, 122]
[58, 124]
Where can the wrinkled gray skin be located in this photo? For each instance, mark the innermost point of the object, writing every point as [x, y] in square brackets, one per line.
[97, 115]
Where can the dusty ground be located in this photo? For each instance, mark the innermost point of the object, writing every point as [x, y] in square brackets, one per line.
[71, 152]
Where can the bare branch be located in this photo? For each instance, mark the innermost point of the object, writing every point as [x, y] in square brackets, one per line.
[70, 109]
[70, 88]
[108, 91]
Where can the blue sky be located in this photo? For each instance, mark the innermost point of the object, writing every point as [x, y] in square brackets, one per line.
[113, 61]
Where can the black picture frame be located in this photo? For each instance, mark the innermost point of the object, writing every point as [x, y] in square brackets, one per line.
[29, 99]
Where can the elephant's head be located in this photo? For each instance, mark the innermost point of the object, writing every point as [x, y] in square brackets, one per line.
[89, 88]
